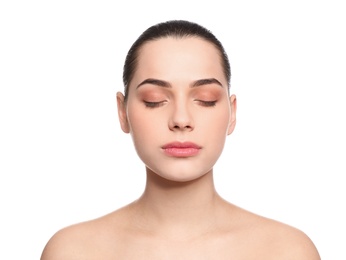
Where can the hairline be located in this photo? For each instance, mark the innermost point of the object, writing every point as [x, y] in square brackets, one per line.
[178, 37]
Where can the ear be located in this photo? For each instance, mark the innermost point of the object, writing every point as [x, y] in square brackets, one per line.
[122, 113]
[232, 121]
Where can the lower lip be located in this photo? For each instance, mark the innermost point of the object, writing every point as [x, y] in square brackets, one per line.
[181, 152]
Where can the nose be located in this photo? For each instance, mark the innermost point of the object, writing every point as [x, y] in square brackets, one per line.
[181, 118]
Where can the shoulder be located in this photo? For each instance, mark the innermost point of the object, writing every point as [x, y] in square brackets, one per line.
[282, 241]
[265, 238]
[288, 242]
[65, 244]
[86, 240]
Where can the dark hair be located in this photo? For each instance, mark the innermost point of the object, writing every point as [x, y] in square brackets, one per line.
[174, 28]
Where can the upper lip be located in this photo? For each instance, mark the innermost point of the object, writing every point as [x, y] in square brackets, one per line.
[181, 145]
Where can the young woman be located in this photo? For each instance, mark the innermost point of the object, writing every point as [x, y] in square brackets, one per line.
[178, 110]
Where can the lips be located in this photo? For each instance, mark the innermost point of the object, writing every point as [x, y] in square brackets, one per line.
[181, 149]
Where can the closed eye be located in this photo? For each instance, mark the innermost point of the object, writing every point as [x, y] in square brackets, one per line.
[150, 104]
[207, 103]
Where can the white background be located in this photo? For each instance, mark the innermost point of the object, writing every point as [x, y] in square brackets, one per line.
[64, 159]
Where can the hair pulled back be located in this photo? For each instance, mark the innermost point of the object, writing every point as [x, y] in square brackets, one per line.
[177, 29]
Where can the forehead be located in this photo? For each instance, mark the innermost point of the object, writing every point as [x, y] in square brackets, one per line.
[169, 57]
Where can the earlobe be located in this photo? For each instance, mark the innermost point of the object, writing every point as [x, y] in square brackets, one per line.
[122, 113]
[232, 121]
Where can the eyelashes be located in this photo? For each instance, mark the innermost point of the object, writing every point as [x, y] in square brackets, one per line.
[204, 103]
[153, 104]
[207, 103]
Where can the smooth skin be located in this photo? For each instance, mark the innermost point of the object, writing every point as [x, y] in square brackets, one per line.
[179, 93]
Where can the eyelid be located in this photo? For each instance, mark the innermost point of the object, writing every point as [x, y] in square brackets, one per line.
[153, 104]
[207, 103]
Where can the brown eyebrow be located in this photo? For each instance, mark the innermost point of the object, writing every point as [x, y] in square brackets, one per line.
[157, 82]
[165, 84]
[209, 81]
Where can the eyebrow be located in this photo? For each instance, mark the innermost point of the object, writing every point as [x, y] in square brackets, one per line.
[208, 81]
[165, 84]
[156, 82]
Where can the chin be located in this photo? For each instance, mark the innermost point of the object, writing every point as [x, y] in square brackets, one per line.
[175, 176]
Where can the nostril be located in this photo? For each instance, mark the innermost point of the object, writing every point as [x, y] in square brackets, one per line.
[178, 127]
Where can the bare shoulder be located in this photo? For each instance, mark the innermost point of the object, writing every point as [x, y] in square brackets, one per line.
[290, 242]
[272, 239]
[65, 244]
[87, 240]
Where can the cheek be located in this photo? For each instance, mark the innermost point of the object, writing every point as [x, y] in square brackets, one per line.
[219, 131]
[216, 121]
[142, 124]
[224, 121]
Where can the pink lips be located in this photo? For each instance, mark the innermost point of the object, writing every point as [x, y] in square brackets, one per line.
[178, 149]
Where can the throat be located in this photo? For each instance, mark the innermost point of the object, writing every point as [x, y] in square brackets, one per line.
[178, 209]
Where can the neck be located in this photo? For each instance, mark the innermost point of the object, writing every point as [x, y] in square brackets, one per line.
[178, 206]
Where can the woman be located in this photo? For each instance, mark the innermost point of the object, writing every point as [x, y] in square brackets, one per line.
[178, 110]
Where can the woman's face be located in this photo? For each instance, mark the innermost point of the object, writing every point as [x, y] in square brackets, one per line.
[178, 110]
